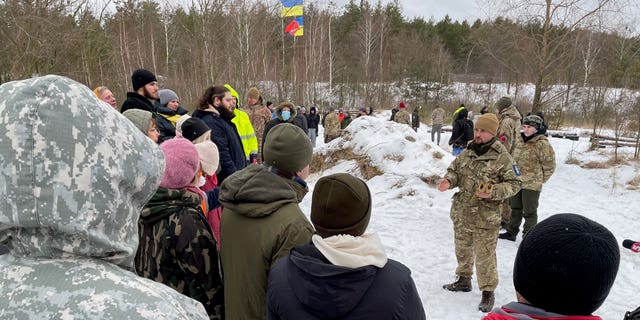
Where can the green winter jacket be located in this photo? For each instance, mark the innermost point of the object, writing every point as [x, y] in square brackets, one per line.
[537, 161]
[468, 171]
[261, 222]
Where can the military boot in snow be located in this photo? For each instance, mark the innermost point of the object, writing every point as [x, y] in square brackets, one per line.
[486, 304]
[461, 284]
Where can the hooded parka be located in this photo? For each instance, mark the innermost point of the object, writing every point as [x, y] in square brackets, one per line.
[261, 222]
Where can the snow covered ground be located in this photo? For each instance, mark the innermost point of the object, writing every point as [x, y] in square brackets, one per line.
[412, 217]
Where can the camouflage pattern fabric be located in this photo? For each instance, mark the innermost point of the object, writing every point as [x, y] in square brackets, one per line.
[331, 127]
[536, 160]
[74, 175]
[476, 221]
[437, 116]
[259, 115]
[403, 117]
[509, 128]
[177, 248]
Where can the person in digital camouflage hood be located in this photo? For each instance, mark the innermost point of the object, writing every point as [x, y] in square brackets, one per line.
[75, 174]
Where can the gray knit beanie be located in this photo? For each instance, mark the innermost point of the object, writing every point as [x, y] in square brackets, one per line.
[503, 103]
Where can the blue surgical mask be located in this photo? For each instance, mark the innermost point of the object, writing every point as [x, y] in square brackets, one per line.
[286, 115]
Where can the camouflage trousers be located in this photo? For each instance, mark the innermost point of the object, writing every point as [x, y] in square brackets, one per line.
[473, 244]
[505, 212]
[328, 138]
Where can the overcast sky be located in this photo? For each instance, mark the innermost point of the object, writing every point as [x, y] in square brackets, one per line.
[436, 9]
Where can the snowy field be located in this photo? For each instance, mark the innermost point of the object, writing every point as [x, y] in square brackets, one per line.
[412, 217]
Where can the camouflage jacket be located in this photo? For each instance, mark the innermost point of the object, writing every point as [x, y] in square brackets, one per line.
[437, 116]
[403, 117]
[177, 248]
[537, 161]
[331, 125]
[74, 175]
[259, 115]
[468, 171]
[509, 128]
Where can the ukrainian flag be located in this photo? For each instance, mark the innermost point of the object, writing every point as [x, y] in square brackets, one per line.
[295, 27]
[291, 8]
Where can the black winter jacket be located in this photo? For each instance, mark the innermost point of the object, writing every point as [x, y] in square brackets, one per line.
[313, 120]
[225, 135]
[462, 131]
[305, 285]
[165, 127]
[136, 101]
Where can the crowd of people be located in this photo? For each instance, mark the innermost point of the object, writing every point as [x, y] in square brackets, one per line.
[157, 214]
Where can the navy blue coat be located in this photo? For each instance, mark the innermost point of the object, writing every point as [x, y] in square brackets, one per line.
[225, 135]
[305, 285]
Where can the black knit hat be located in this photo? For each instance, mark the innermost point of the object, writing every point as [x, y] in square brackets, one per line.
[341, 204]
[192, 128]
[566, 264]
[142, 77]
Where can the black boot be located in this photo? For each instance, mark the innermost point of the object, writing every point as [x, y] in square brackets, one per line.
[507, 236]
[461, 284]
[486, 304]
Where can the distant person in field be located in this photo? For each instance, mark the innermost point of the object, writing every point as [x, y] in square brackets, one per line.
[437, 119]
[402, 116]
[485, 174]
[537, 162]
[313, 120]
[103, 93]
[331, 125]
[415, 119]
[564, 269]
[462, 132]
[343, 272]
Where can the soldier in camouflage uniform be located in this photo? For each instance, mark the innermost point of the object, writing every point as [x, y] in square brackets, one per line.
[177, 246]
[259, 115]
[402, 116]
[331, 125]
[485, 173]
[75, 174]
[537, 162]
[508, 133]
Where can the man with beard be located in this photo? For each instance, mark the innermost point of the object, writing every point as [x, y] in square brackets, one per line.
[485, 174]
[216, 110]
[145, 91]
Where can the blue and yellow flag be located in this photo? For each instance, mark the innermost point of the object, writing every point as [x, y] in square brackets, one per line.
[291, 8]
[295, 27]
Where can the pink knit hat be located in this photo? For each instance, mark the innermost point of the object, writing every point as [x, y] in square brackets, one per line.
[181, 163]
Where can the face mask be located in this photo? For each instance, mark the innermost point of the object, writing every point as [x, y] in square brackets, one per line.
[201, 181]
[286, 115]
